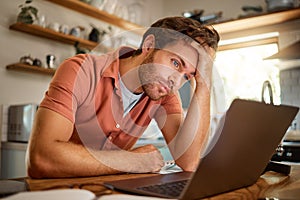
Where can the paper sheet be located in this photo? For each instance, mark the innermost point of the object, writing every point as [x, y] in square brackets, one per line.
[63, 194]
[170, 167]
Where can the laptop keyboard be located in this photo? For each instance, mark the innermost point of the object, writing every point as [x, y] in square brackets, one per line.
[172, 189]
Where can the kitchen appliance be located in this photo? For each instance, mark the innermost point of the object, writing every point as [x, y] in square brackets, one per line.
[278, 5]
[20, 120]
[288, 151]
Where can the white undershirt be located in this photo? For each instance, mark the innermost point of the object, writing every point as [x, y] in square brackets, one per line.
[129, 98]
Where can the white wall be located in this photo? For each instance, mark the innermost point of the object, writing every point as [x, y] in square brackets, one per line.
[19, 87]
[290, 90]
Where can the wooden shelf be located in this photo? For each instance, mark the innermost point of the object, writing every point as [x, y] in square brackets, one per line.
[30, 68]
[257, 21]
[92, 11]
[224, 27]
[53, 35]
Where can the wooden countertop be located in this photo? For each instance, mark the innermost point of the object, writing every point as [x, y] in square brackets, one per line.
[270, 184]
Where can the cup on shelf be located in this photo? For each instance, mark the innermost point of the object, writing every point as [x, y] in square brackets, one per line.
[37, 62]
[54, 26]
[50, 60]
[26, 60]
[64, 29]
[42, 21]
[75, 31]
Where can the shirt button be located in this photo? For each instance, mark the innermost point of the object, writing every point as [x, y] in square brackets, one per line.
[117, 125]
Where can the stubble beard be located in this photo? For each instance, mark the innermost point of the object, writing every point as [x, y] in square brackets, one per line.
[148, 77]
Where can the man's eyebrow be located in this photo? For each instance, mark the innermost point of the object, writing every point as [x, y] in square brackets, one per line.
[184, 64]
[182, 61]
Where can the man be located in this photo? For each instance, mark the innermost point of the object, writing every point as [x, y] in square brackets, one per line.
[97, 107]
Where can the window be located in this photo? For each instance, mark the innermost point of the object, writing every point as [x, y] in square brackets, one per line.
[243, 70]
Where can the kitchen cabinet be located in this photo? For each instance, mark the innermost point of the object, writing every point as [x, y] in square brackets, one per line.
[13, 160]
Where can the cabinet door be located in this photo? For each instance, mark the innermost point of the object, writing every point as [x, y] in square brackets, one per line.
[13, 160]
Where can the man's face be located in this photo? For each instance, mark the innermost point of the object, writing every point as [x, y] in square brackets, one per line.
[165, 71]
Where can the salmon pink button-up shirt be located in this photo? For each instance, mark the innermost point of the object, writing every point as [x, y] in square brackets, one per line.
[85, 89]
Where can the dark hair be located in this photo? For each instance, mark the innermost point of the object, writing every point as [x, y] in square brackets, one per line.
[170, 29]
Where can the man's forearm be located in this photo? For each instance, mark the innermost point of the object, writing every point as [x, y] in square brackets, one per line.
[65, 159]
[192, 137]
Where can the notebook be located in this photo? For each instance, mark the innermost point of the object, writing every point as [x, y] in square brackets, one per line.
[246, 138]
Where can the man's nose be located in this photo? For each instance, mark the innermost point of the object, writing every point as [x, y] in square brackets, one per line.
[176, 80]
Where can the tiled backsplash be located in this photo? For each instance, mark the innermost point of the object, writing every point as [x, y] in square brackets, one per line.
[290, 90]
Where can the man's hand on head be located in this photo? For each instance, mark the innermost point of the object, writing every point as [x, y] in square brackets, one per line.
[204, 66]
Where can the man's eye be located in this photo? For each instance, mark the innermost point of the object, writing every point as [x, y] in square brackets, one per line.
[175, 63]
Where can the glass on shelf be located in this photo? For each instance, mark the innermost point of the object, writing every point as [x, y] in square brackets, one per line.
[122, 11]
[97, 3]
[135, 11]
[110, 6]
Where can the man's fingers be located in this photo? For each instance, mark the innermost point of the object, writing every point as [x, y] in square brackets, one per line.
[204, 64]
[150, 159]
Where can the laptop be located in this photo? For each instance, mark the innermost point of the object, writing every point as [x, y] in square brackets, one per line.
[246, 138]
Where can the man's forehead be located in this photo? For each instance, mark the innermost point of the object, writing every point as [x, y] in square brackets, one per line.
[203, 50]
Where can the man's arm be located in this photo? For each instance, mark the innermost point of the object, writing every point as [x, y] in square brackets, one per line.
[187, 140]
[51, 154]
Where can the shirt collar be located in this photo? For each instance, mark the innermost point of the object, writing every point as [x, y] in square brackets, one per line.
[112, 71]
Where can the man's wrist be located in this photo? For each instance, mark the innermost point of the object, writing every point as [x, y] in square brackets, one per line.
[202, 88]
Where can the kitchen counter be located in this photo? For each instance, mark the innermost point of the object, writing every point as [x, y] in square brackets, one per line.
[270, 184]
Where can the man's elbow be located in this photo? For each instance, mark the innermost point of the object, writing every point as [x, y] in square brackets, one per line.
[38, 166]
[188, 167]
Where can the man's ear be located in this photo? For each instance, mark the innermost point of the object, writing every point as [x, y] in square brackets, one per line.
[148, 44]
